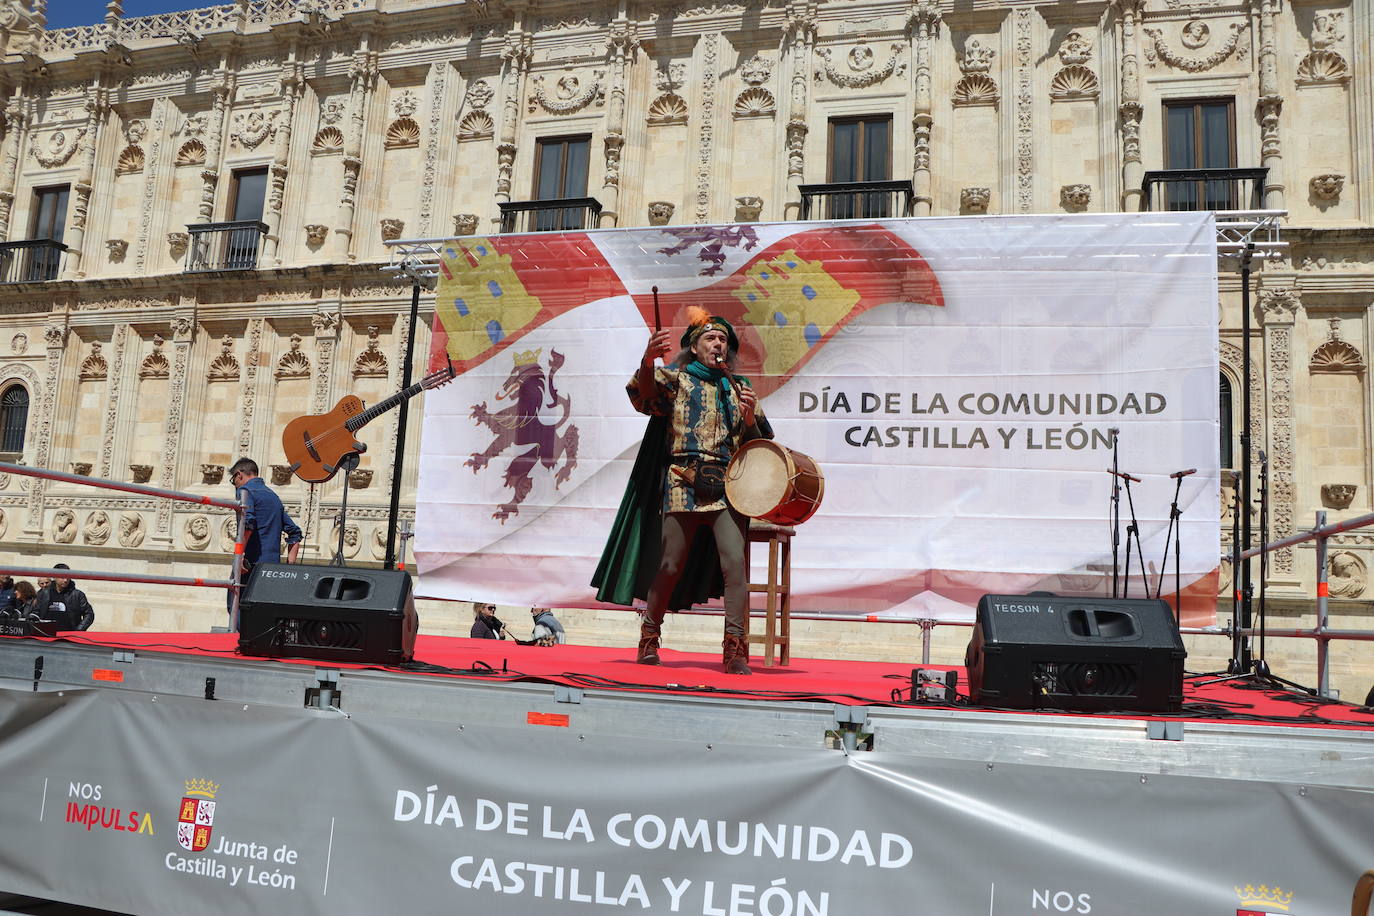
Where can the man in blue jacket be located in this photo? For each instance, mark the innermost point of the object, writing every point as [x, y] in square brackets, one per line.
[265, 520]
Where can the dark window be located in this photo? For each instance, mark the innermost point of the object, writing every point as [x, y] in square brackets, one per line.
[248, 194]
[560, 173]
[1201, 134]
[1227, 421]
[860, 150]
[49, 213]
[14, 418]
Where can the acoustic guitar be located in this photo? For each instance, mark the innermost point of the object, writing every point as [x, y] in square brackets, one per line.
[315, 445]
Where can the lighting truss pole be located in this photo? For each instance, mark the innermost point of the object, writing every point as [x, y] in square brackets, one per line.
[420, 278]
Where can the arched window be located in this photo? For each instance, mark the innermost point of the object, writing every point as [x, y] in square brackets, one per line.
[1224, 409]
[14, 418]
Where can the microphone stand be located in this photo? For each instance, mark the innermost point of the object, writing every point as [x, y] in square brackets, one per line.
[346, 464]
[1114, 518]
[1261, 666]
[1175, 519]
[1132, 531]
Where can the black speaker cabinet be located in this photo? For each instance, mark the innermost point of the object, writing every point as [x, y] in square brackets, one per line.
[328, 612]
[1043, 651]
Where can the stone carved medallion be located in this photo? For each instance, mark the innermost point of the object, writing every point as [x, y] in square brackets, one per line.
[57, 148]
[1195, 34]
[64, 526]
[1338, 495]
[131, 529]
[252, 127]
[479, 94]
[568, 93]
[197, 532]
[1076, 50]
[861, 69]
[19, 344]
[1347, 575]
[1327, 187]
[97, 528]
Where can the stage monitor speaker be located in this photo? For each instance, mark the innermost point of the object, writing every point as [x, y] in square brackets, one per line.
[1043, 651]
[334, 613]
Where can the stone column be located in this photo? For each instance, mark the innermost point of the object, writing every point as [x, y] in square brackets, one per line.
[1023, 24]
[252, 358]
[516, 55]
[1132, 169]
[925, 26]
[621, 44]
[1270, 105]
[113, 383]
[437, 137]
[363, 81]
[292, 88]
[801, 37]
[223, 90]
[16, 127]
[145, 223]
[97, 111]
[183, 335]
[1278, 314]
[55, 335]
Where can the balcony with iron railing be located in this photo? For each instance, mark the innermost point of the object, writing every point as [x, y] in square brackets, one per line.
[1203, 189]
[856, 200]
[224, 246]
[560, 215]
[30, 261]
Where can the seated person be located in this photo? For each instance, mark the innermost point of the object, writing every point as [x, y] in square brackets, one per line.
[25, 600]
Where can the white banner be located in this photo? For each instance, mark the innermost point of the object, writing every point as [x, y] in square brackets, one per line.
[956, 380]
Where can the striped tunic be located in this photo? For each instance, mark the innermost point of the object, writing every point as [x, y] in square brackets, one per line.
[696, 429]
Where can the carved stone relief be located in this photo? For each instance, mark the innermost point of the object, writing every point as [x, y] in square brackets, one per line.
[131, 160]
[392, 229]
[1338, 495]
[568, 94]
[1075, 197]
[131, 528]
[64, 526]
[211, 474]
[328, 140]
[479, 95]
[141, 473]
[93, 367]
[1076, 50]
[281, 475]
[82, 468]
[660, 212]
[225, 367]
[1322, 68]
[97, 528]
[667, 109]
[57, 147]
[360, 478]
[755, 102]
[155, 364]
[250, 128]
[177, 243]
[1336, 357]
[315, 234]
[1194, 34]
[974, 200]
[861, 68]
[402, 133]
[294, 363]
[371, 363]
[1347, 575]
[747, 209]
[19, 344]
[756, 71]
[192, 152]
[476, 125]
[465, 224]
[197, 532]
[351, 537]
[117, 249]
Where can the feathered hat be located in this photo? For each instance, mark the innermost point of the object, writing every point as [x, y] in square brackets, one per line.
[699, 321]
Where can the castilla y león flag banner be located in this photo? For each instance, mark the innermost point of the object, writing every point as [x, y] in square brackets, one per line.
[963, 384]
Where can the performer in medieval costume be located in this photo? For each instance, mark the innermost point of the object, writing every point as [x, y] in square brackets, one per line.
[676, 541]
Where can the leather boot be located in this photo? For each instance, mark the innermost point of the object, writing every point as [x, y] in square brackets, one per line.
[648, 644]
[735, 654]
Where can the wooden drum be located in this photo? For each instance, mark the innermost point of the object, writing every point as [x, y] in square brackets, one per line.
[772, 482]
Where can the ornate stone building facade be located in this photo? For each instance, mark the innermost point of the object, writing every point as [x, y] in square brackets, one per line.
[193, 205]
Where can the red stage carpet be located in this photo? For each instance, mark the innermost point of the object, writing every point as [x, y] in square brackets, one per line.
[805, 680]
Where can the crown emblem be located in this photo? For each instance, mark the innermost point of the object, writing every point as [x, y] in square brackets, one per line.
[527, 358]
[1264, 896]
[202, 787]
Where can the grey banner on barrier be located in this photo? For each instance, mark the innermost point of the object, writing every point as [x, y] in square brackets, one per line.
[156, 805]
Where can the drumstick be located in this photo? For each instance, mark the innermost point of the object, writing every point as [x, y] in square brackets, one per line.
[658, 320]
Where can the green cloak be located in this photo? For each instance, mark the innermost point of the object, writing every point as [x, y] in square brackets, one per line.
[630, 558]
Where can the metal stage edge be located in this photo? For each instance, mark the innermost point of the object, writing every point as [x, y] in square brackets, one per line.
[1330, 757]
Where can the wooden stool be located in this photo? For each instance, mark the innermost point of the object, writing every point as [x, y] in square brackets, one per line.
[778, 609]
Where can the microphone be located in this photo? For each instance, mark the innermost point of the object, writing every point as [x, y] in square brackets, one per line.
[1123, 475]
[1113, 430]
[1177, 474]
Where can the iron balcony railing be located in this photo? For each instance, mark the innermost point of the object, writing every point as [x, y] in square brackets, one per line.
[856, 200]
[225, 246]
[1203, 189]
[550, 215]
[30, 261]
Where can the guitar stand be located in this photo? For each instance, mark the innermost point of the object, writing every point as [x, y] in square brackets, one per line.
[348, 464]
